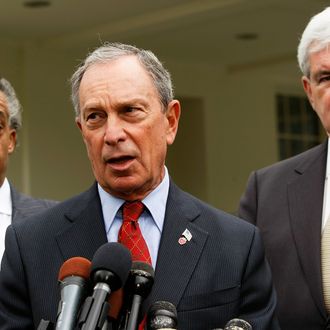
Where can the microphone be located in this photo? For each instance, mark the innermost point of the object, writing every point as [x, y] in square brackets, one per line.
[162, 315]
[116, 300]
[138, 286]
[73, 278]
[110, 267]
[238, 324]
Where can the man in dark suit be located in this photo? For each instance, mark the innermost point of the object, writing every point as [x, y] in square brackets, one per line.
[289, 201]
[13, 204]
[209, 264]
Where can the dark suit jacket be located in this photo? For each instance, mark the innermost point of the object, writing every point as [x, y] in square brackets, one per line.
[220, 274]
[25, 206]
[285, 201]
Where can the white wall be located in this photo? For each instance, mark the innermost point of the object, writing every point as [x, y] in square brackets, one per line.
[238, 114]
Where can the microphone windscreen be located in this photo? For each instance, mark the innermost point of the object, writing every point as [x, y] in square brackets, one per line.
[238, 324]
[76, 266]
[162, 315]
[113, 257]
[143, 267]
[163, 308]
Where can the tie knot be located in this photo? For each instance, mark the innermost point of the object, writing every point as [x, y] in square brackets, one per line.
[132, 211]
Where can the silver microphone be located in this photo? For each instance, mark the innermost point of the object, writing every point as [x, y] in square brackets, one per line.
[236, 324]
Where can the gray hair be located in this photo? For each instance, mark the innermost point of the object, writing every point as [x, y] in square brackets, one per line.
[315, 37]
[14, 106]
[112, 51]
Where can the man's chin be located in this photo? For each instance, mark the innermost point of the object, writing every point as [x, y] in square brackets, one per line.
[127, 189]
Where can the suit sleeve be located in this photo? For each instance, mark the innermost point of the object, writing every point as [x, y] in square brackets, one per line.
[15, 311]
[248, 204]
[258, 294]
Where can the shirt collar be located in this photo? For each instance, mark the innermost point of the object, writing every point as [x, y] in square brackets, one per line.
[5, 198]
[155, 202]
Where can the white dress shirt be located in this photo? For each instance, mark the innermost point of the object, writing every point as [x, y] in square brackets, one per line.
[5, 213]
[326, 196]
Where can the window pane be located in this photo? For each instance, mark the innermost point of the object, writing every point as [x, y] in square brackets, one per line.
[298, 126]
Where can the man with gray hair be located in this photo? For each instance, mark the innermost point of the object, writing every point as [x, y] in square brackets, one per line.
[290, 201]
[13, 205]
[207, 263]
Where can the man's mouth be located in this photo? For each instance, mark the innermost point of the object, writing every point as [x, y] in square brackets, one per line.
[119, 160]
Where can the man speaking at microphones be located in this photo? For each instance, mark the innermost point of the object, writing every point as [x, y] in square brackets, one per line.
[208, 264]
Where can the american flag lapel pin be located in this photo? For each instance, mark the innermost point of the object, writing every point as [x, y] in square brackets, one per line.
[185, 237]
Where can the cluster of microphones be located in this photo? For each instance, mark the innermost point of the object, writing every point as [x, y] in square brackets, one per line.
[107, 293]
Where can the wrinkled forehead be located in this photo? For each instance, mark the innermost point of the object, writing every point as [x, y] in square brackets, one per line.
[128, 65]
[121, 76]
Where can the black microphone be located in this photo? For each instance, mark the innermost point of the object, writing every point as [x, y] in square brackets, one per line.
[162, 315]
[110, 267]
[138, 287]
[73, 278]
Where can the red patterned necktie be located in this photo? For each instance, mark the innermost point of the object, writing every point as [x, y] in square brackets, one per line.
[130, 234]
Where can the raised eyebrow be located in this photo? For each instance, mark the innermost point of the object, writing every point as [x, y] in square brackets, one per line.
[89, 106]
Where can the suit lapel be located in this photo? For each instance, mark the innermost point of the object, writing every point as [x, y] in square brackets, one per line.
[175, 262]
[305, 195]
[84, 232]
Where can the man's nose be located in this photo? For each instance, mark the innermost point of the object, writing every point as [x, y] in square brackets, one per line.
[114, 131]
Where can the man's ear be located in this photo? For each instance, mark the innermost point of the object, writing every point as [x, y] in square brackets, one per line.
[12, 140]
[308, 90]
[173, 115]
[78, 123]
